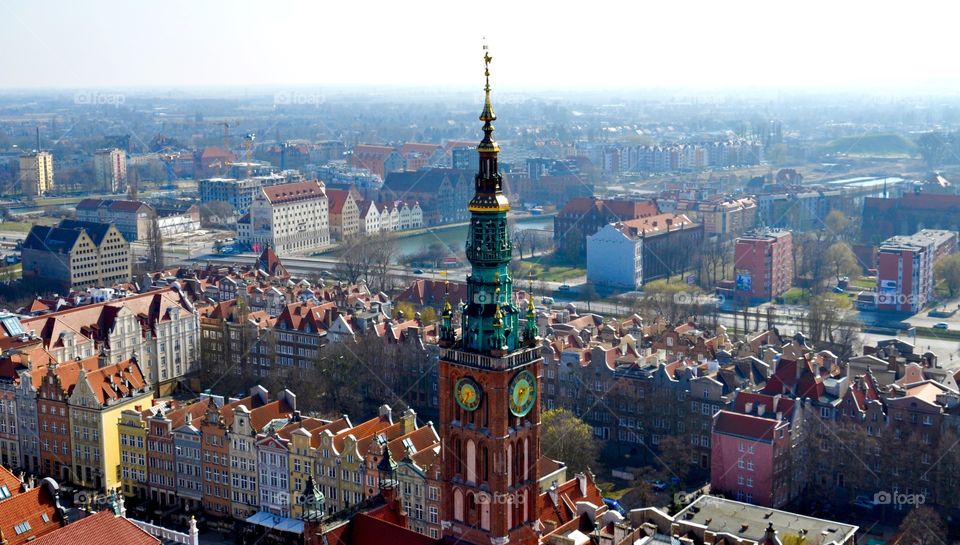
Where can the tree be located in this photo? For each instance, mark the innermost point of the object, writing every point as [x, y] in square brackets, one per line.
[589, 294]
[837, 224]
[673, 301]
[154, 241]
[675, 455]
[368, 259]
[923, 526]
[842, 260]
[566, 438]
[793, 539]
[947, 270]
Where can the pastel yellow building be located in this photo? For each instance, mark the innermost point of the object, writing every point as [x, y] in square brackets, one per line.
[36, 173]
[132, 430]
[96, 403]
[304, 438]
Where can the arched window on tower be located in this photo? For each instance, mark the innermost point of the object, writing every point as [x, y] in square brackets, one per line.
[485, 512]
[485, 462]
[458, 505]
[471, 461]
[458, 452]
[472, 517]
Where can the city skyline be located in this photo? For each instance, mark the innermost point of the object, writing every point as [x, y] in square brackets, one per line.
[704, 46]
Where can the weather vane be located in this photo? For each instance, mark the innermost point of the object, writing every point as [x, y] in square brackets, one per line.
[486, 60]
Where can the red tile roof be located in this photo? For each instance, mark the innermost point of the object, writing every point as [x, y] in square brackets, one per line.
[103, 528]
[744, 425]
[568, 494]
[31, 507]
[337, 198]
[297, 191]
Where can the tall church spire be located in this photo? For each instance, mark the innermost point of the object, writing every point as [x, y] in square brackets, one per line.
[490, 320]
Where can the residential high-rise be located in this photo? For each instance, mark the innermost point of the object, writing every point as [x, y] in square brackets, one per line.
[36, 173]
[763, 262]
[905, 268]
[110, 170]
[489, 380]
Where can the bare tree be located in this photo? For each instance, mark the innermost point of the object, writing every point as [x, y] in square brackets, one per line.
[923, 526]
[368, 259]
[154, 240]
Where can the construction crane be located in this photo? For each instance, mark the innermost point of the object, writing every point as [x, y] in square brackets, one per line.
[248, 141]
[168, 157]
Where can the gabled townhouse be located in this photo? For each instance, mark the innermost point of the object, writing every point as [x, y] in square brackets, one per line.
[162, 456]
[304, 436]
[188, 459]
[340, 465]
[369, 218]
[245, 422]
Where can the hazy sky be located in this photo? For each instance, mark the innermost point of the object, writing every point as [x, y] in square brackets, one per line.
[585, 44]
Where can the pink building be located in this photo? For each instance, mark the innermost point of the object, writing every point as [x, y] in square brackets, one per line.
[763, 264]
[750, 458]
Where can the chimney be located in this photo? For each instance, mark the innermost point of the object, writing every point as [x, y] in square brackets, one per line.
[582, 482]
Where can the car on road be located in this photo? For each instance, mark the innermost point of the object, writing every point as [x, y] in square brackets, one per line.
[658, 485]
[941, 325]
[837, 289]
[614, 505]
[547, 300]
[418, 271]
[564, 287]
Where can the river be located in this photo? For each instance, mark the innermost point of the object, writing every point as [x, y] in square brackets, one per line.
[454, 238]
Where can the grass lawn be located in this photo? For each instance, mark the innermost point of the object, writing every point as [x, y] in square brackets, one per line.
[864, 283]
[542, 270]
[54, 201]
[794, 296]
[612, 490]
[24, 226]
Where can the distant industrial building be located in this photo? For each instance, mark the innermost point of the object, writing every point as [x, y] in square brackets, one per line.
[905, 269]
[763, 263]
[110, 170]
[36, 173]
[77, 254]
[883, 218]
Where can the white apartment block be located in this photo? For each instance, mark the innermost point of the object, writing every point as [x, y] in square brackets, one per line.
[615, 259]
[110, 170]
[36, 173]
[290, 218]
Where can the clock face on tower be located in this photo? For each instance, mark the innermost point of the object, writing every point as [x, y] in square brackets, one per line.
[523, 393]
[468, 394]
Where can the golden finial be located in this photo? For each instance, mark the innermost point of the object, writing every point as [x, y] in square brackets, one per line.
[497, 316]
[530, 306]
[487, 114]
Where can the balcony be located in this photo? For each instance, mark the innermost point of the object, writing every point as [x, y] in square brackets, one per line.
[481, 361]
